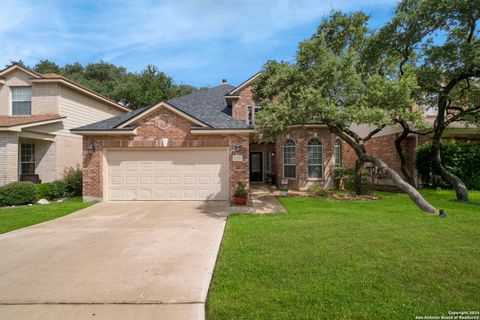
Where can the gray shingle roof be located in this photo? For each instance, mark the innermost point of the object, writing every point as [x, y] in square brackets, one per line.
[207, 105]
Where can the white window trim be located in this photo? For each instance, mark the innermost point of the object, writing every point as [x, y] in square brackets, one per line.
[22, 162]
[339, 142]
[320, 164]
[252, 110]
[283, 158]
[11, 102]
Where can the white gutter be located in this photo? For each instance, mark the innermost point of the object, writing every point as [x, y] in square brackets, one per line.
[222, 131]
[105, 132]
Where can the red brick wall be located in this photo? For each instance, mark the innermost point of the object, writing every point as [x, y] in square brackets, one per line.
[383, 147]
[149, 135]
[240, 105]
[301, 136]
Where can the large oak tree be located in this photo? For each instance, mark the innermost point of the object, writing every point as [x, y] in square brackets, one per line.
[440, 40]
[334, 81]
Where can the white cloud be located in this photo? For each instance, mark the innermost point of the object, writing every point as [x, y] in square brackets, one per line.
[128, 30]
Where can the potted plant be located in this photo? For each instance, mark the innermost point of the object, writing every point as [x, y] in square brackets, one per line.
[240, 196]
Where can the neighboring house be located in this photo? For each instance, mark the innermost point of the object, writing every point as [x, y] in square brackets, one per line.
[37, 112]
[199, 146]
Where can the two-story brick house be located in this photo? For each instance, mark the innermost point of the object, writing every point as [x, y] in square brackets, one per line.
[37, 112]
[198, 147]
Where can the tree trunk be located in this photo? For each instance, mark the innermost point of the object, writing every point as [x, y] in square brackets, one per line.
[404, 186]
[357, 177]
[440, 124]
[360, 151]
[460, 188]
[403, 161]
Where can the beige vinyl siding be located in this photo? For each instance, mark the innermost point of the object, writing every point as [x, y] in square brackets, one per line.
[81, 110]
[45, 98]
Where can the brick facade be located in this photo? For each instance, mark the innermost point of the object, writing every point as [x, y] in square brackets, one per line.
[383, 147]
[158, 125]
[240, 105]
[8, 157]
[301, 136]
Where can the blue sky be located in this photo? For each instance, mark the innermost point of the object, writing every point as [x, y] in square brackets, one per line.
[196, 42]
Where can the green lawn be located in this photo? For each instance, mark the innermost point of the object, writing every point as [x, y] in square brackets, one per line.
[330, 259]
[21, 217]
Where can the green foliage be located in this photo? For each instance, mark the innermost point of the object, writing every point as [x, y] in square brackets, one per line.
[240, 191]
[73, 179]
[336, 81]
[132, 89]
[47, 66]
[59, 190]
[17, 193]
[445, 65]
[315, 189]
[52, 190]
[350, 183]
[460, 158]
[45, 190]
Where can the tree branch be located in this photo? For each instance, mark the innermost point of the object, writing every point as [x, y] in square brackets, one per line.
[372, 133]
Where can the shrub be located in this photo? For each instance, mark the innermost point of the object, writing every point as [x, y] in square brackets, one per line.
[52, 190]
[316, 190]
[59, 190]
[45, 190]
[460, 158]
[73, 181]
[240, 190]
[17, 193]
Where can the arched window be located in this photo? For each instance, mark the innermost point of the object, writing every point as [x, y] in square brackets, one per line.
[315, 159]
[337, 151]
[289, 159]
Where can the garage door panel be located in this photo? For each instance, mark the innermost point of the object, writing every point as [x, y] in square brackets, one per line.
[131, 180]
[168, 175]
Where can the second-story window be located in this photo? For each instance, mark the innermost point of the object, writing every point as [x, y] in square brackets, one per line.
[21, 101]
[252, 111]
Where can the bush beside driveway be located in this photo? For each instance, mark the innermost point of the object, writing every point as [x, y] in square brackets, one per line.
[332, 259]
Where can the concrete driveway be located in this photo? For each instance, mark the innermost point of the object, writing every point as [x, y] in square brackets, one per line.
[114, 260]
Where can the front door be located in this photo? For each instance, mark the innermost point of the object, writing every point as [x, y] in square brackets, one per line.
[256, 166]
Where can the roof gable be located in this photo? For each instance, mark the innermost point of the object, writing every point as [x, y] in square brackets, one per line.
[52, 77]
[16, 66]
[247, 82]
[145, 112]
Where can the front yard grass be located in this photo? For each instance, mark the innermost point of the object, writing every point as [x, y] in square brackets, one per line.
[331, 259]
[21, 217]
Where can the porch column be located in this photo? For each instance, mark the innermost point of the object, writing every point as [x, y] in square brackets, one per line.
[8, 157]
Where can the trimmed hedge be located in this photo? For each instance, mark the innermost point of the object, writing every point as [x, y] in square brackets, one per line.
[460, 158]
[18, 193]
[52, 190]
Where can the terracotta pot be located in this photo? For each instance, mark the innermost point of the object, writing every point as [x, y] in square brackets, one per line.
[240, 200]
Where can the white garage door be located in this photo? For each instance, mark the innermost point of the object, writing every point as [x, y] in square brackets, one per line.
[168, 175]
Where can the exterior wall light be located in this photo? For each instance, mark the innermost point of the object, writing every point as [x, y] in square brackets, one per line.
[91, 149]
[238, 147]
